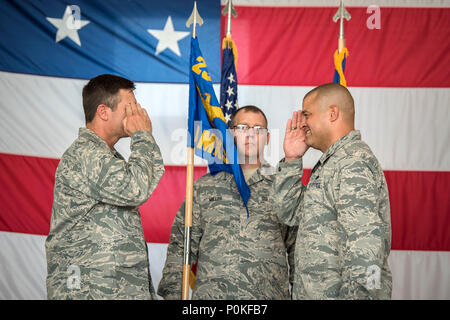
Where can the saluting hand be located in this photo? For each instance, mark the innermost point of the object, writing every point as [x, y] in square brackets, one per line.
[294, 140]
[136, 119]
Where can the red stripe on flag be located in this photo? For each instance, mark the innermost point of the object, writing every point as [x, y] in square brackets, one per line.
[26, 197]
[295, 46]
[26, 193]
[160, 210]
[420, 209]
[419, 200]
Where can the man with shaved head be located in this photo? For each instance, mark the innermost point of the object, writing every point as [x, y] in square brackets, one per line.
[343, 214]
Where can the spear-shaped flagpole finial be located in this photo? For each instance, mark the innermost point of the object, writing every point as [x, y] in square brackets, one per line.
[229, 10]
[194, 19]
[341, 14]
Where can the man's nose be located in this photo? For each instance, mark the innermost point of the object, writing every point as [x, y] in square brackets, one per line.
[303, 122]
[251, 132]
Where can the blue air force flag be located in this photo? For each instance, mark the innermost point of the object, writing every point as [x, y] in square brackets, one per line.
[207, 129]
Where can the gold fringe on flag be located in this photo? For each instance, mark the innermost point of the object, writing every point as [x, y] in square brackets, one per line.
[338, 58]
[228, 43]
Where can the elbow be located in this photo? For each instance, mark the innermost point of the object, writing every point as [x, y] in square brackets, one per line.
[137, 194]
[141, 196]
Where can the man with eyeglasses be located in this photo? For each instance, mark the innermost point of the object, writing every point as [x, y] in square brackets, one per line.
[239, 256]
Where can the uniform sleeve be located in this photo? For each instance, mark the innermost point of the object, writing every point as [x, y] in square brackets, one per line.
[288, 191]
[362, 255]
[290, 238]
[170, 285]
[114, 181]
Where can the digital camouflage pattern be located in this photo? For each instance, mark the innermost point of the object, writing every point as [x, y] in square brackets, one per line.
[343, 214]
[96, 247]
[238, 257]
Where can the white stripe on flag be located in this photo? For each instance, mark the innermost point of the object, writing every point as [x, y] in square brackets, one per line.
[416, 274]
[399, 124]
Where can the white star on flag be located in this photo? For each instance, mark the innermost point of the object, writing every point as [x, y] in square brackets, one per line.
[227, 117]
[168, 37]
[231, 78]
[229, 104]
[68, 26]
[230, 91]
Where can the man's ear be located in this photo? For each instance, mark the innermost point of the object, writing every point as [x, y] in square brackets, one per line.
[333, 112]
[268, 138]
[102, 112]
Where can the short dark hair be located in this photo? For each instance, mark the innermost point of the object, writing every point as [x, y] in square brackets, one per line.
[328, 87]
[339, 95]
[103, 89]
[248, 108]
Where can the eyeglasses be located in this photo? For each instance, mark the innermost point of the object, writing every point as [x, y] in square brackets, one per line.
[243, 128]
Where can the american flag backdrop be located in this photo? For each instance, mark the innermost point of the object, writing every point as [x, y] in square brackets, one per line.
[398, 75]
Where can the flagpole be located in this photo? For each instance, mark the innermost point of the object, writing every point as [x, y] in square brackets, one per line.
[193, 19]
[188, 222]
[227, 42]
[340, 15]
[229, 10]
[342, 52]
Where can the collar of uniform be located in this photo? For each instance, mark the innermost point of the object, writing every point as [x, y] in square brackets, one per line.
[266, 171]
[351, 136]
[92, 136]
[259, 175]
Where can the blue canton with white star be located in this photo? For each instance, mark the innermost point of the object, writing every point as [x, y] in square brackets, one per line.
[144, 41]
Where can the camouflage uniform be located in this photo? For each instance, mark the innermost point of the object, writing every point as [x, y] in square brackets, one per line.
[238, 257]
[343, 214]
[96, 247]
